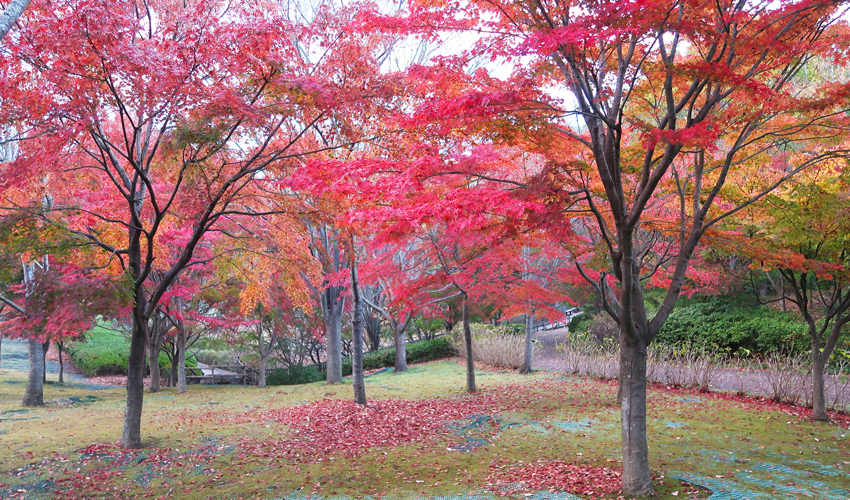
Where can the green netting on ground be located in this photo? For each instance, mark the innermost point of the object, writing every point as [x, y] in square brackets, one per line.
[688, 399]
[18, 414]
[37, 490]
[474, 432]
[783, 478]
[73, 400]
[140, 468]
[384, 370]
[86, 386]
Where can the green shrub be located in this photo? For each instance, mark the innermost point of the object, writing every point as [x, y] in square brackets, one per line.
[104, 352]
[294, 375]
[581, 323]
[107, 352]
[417, 352]
[734, 323]
[429, 350]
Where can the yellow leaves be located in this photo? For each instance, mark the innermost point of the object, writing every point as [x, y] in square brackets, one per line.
[251, 295]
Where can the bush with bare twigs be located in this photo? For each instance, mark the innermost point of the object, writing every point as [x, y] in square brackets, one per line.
[789, 378]
[493, 345]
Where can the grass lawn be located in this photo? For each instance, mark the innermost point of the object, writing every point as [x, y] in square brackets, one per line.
[529, 436]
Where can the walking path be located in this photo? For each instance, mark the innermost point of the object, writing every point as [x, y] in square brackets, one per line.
[548, 357]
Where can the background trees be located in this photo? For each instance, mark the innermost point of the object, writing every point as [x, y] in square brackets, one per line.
[803, 232]
[159, 116]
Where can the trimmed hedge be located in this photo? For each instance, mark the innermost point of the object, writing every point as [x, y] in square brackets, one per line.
[105, 352]
[417, 352]
[295, 375]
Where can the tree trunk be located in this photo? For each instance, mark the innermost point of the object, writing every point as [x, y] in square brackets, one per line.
[45, 346]
[181, 359]
[818, 393]
[333, 340]
[623, 375]
[34, 395]
[131, 436]
[262, 375]
[59, 346]
[155, 383]
[467, 335]
[372, 324]
[172, 373]
[529, 333]
[357, 378]
[637, 480]
[400, 340]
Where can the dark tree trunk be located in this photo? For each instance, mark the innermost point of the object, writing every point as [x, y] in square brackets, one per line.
[636, 476]
[634, 338]
[155, 383]
[357, 378]
[467, 336]
[172, 374]
[373, 331]
[59, 346]
[131, 436]
[34, 395]
[623, 375]
[818, 392]
[529, 334]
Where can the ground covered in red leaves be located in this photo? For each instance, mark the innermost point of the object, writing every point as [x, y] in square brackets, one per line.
[553, 476]
[344, 428]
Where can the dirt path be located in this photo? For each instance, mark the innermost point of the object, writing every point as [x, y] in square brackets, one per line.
[548, 357]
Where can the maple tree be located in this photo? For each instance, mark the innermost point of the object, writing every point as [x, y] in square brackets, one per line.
[668, 120]
[50, 285]
[272, 297]
[156, 116]
[804, 233]
[56, 302]
[399, 272]
[327, 249]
